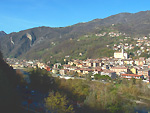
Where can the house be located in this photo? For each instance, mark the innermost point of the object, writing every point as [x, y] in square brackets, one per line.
[93, 62]
[47, 68]
[145, 66]
[55, 71]
[140, 40]
[97, 70]
[79, 71]
[70, 63]
[141, 61]
[134, 70]
[142, 48]
[148, 60]
[86, 71]
[129, 76]
[57, 65]
[144, 72]
[83, 70]
[119, 69]
[69, 67]
[41, 65]
[96, 63]
[118, 61]
[109, 73]
[63, 71]
[128, 61]
[139, 52]
[79, 65]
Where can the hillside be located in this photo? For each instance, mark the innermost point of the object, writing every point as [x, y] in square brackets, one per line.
[9, 80]
[55, 43]
[2, 33]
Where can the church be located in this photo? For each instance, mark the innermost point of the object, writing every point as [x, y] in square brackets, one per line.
[121, 54]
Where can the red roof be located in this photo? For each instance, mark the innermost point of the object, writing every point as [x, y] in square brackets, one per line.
[118, 68]
[98, 69]
[84, 69]
[108, 71]
[132, 75]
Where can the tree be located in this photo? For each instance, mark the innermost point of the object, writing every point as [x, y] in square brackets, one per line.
[60, 67]
[41, 80]
[57, 103]
[73, 64]
[104, 77]
[76, 74]
[133, 81]
[88, 76]
[9, 99]
[97, 76]
[1, 56]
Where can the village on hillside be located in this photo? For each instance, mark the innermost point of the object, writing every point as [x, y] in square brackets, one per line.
[120, 65]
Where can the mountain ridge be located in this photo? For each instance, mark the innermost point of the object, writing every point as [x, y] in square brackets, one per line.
[2, 33]
[41, 40]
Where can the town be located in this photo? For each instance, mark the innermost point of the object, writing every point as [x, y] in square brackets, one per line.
[120, 65]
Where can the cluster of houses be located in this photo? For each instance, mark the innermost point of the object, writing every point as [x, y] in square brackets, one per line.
[20, 64]
[142, 43]
[110, 34]
[114, 34]
[126, 46]
[118, 66]
[113, 67]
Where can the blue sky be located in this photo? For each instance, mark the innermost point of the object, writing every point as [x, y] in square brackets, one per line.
[17, 15]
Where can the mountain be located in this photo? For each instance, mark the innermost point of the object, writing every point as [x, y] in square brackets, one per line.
[46, 42]
[2, 33]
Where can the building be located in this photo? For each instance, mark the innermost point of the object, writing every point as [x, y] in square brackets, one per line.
[141, 61]
[57, 65]
[63, 71]
[87, 71]
[128, 62]
[134, 70]
[119, 69]
[97, 71]
[129, 76]
[121, 54]
[55, 71]
[144, 72]
[109, 73]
